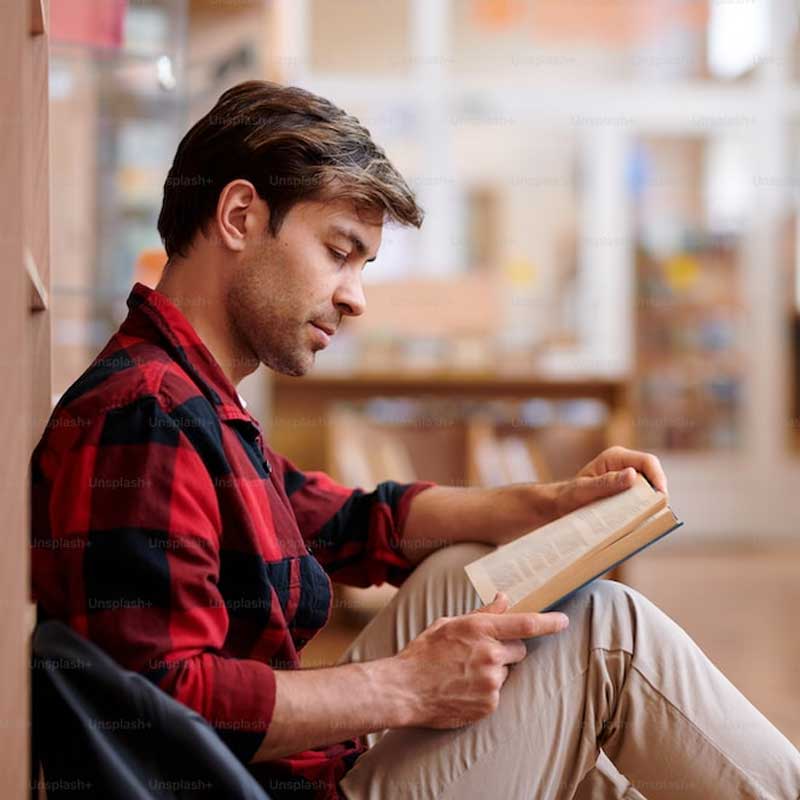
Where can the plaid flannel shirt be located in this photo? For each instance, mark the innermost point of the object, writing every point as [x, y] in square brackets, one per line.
[164, 530]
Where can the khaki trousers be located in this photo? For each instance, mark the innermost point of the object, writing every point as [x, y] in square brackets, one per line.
[622, 692]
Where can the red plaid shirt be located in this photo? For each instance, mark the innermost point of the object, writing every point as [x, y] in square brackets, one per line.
[164, 530]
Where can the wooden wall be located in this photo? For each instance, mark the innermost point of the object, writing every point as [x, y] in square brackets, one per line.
[24, 349]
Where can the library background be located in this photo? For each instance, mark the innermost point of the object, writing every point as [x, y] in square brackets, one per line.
[610, 255]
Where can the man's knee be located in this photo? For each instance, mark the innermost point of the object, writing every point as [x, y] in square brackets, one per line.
[601, 605]
[612, 615]
[451, 559]
[603, 594]
[441, 578]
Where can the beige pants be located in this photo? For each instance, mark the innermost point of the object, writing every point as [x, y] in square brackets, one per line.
[623, 685]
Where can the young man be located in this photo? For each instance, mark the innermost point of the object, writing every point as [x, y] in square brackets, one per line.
[201, 558]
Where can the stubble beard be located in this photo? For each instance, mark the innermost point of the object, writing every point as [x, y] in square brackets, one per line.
[262, 331]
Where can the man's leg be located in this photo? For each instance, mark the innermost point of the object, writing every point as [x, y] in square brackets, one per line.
[623, 677]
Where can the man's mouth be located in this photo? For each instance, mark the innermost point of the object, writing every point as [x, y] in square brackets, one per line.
[324, 332]
[329, 329]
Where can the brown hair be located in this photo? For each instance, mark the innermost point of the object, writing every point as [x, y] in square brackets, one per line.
[293, 146]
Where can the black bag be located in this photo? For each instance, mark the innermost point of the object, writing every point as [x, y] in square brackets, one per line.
[103, 732]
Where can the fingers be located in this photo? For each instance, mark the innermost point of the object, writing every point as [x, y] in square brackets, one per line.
[585, 490]
[497, 606]
[525, 625]
[646, 463]
[651, 468]
[513, 651]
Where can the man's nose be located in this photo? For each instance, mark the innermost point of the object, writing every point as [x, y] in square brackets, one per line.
[349, 297]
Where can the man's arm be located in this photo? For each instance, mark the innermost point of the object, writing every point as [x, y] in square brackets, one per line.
[444, 515]
[449, 676]
[318, 707]
[354, 534]
[126, 527]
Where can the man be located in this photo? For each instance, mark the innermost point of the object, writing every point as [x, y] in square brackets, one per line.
[202, 559]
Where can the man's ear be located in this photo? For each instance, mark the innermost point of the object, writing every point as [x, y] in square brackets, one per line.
[241, 214]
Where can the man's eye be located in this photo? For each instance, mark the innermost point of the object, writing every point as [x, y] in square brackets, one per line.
[340, 258]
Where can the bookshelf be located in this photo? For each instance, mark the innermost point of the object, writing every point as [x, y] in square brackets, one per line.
[444, 412]
[690, 374]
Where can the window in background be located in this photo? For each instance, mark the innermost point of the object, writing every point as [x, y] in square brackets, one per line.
[737, 37]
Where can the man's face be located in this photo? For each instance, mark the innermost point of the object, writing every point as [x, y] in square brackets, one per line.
[290, 289]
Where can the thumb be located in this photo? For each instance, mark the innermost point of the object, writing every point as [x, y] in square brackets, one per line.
[610, 483]
[497, 606]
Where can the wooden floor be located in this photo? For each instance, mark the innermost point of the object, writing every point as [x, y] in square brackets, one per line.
[742, 608]
[741, 605]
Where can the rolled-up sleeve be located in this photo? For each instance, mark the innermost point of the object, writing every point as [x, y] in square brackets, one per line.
[354, 534]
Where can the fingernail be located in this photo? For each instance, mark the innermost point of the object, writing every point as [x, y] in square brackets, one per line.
[563, 620]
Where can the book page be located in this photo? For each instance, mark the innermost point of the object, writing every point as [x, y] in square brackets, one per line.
[528, 562]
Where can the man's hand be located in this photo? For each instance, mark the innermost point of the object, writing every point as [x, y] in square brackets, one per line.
[613, 471]
[620, 459]
[457, 666]
[442, 515]
[535, 504]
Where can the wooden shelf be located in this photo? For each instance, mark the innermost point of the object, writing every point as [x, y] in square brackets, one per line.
[302, 407]
[442, 384]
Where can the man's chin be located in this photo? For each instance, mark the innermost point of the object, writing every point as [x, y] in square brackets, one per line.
[295, 368]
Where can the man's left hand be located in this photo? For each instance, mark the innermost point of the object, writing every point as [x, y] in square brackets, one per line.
[613, 471]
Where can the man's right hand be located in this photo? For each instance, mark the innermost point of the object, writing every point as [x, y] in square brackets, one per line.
[447, 677]
[456, 667]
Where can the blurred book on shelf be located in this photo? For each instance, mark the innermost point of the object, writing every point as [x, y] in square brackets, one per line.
[364, 453]
[491, 443]
[690, 373]
[499, 460]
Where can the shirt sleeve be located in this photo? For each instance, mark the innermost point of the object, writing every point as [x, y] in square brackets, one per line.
[354, 534]
[126, 531]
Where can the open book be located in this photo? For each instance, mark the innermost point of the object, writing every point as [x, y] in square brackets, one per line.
[542, 568]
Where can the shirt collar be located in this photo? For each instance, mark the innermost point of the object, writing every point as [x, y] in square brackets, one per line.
[186, 347]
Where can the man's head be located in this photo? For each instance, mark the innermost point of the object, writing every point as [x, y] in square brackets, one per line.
[285, 195]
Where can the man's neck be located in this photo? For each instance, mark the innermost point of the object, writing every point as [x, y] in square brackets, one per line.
[201, 301]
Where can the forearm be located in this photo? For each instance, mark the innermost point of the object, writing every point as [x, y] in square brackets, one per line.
[318, 707]
[444, 515]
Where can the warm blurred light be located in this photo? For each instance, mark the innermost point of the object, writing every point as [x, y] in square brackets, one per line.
[96, 23]
[149, 266]
[498, 14]
[622, 22]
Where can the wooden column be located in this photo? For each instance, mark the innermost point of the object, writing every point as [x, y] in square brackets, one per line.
[24, 349]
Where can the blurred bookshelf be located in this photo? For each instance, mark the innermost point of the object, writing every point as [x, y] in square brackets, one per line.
[690, 372]
[489, 445]
[118, 110]
[459, 429]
